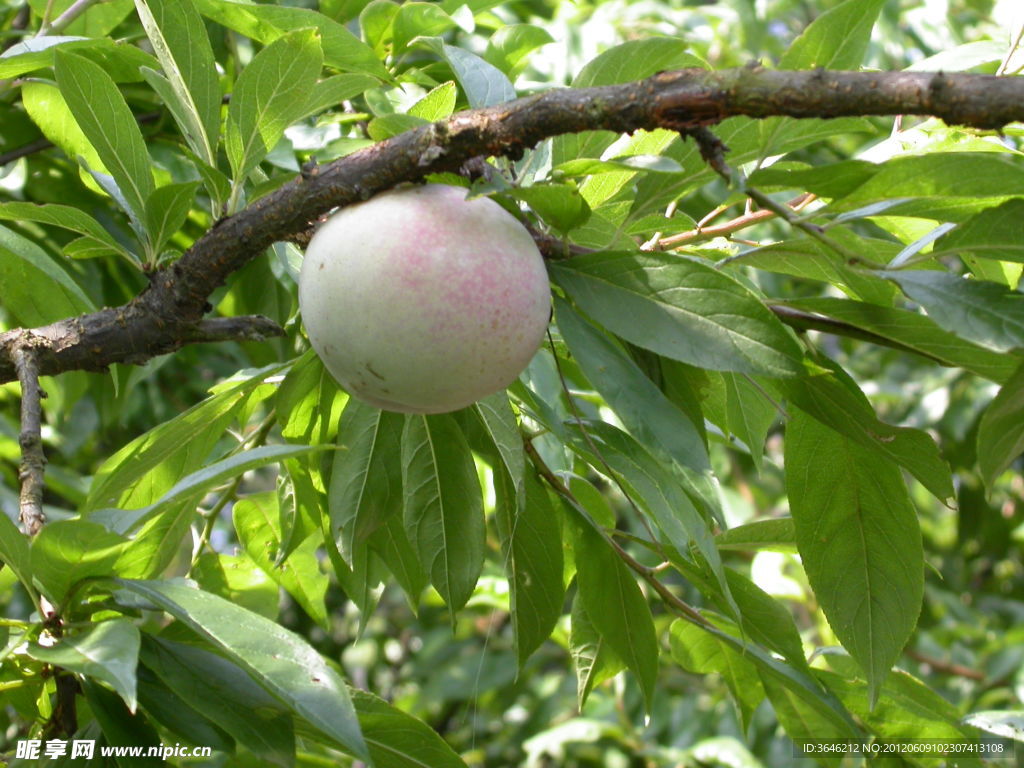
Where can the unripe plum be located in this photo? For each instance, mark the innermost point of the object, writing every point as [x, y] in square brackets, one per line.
[421, 301]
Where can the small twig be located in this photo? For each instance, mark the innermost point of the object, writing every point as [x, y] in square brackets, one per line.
[948, 667]
[702, 232]
[650, 575]
[30, 473]
[75, 10]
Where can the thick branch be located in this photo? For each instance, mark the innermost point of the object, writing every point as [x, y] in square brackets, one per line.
[167, 313]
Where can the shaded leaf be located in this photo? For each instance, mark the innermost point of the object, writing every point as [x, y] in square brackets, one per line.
[1001, 431]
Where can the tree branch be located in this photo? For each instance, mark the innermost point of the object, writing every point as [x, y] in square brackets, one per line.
[30, 472]
[168, 312]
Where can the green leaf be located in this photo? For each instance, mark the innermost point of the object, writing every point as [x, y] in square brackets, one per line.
[100, 242]
[398, 740]
[443, 509]
[657, 490]
[531, 540]
[643, 408]
[1001, 430]
[831, 180]
[681, 309]
[775, 534]
[635, 60]
[309, 402]
[170, 710]
[558, 205]
[192, 92]
[859, 541]
[195, 484]
[14, 550]
[837, 39]
[986, 313]
[415, 19]
[439, 103]
[914, 331]
[995, 233]
[593, 657]
[258, 525]
[138, 474]
[68, 551]
[120, 59]
[266, 23]
[811, 259]
[953, 185]
[239, 579]
[166, 210]
[838, 403]
[484, 84]
[278, 659]
[122, 728]
[700, 652]
[499, 422]
[270, 94]
[366, 480]
[332, 91]
[108, 123]
[511, 44]
[616, 606]
[590, 166]
[108, 652]
[27, 274]
[224, 692]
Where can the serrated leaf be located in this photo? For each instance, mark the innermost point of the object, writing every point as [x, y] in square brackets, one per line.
[986, 313]
[1001, 430]
[27, 274]
[859, 540]
[278, 659]
[108, 651]
[366, 480]
[270, 94]
[108, 123]
[443, 509]
[176, 32]
[680, 309]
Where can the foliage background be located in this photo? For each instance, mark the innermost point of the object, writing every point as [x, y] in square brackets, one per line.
[268, 495]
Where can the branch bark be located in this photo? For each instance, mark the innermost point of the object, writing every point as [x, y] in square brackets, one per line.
[30, 472]
[169, 312]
